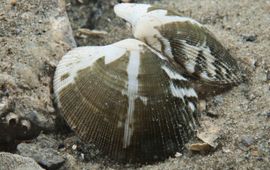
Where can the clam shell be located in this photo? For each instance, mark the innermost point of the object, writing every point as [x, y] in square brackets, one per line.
[126, 99]
[188, 44]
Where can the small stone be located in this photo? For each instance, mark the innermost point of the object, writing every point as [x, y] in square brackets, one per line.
[200, 147]
[6, 82]
[126, 1]
[225, 150]
[10, 161]
[250, 38]
[209, 134]
[26, 125]
[82, 156]
[247, 140]
[49, 67]
[177, 154]
[71, 163]
[45, 141]
[88, 32]
[89, 151]
[218, 100]
[13, 2]
[268, 75]
[5, 105]
[44, 151]
[268, 114]
[212, 115]
[259, 158]
[27, 78]
[45, 123]
[251, 61]
[255, 152]
[202, 106]
[81, 1]
[50, 109]
[74, 147]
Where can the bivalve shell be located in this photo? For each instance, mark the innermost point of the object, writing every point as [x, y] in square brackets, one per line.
[126, 99]
[185, 42]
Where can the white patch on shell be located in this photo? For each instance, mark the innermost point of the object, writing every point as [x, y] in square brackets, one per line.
[181, 92]
[157, 53]
[146, 26]
[133, 85]
[204, 75]
[191, 106]
[144, 100]
[190, 66]
[83, 57]
[162, 15]
[131, 12]
[192, 53]
[173, 74]
[144, 23]
[168, 49]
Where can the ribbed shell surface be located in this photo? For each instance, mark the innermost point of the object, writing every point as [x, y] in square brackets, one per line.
[127, 100]
[188, 45]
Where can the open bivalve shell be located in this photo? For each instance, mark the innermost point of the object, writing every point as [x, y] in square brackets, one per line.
[126, 99]
[188, 44]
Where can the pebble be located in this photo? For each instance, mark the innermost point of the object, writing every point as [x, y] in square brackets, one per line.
[47, 141]
[247, 140]
[74, 147]
[212, 114]
[39, 119]
[6, 81]
[268, 75]
[88, 32]
[268, 114]
[209, 133]
[259, 158]
[83, 151]
[44, 151]
[202, 106]
[82, 156]
[10, 161]
[177, 154]
[218, 100]
[249, 38]
[199, 147]
[13, 2]
[251, 61]
[5, 105]
[127, 1]
[46, 157]
[49, 67]
[26, 77]
[226, 150]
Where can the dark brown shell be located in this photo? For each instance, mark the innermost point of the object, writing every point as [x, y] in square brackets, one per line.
[127, 100]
